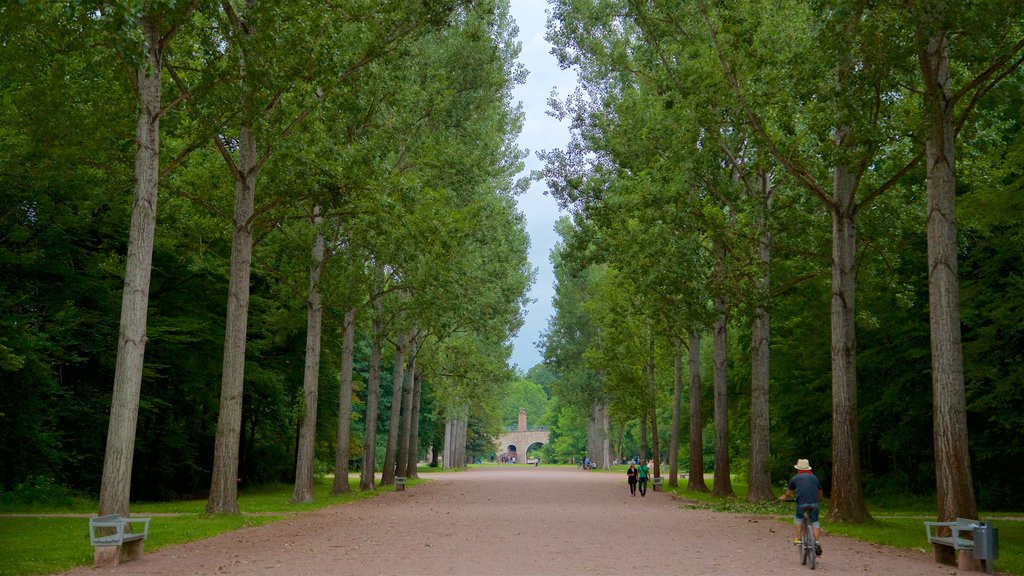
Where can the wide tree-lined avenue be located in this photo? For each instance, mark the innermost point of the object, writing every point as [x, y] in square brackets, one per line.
[520, 520]
[249, 244]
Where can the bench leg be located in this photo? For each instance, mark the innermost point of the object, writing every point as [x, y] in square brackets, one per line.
[965, 561]
[943, 554]
[132, 550]
[106, 556]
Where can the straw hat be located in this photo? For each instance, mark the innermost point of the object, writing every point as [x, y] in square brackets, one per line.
[802, 464]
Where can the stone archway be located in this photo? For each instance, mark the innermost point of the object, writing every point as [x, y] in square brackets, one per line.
[522, 437]
[536, 446]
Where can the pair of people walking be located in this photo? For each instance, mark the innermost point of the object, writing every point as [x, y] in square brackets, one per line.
[637, 476]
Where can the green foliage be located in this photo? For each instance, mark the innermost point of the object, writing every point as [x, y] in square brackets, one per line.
[399, 133]
[683, 106]
[568, 438]
[528, 396]
[38, 494]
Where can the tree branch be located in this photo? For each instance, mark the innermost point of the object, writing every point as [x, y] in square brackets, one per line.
[792, 166]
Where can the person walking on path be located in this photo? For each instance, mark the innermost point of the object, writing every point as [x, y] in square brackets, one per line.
[642, 473]
[631, 475]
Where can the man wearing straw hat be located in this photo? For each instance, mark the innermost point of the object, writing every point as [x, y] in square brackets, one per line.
[808, 492]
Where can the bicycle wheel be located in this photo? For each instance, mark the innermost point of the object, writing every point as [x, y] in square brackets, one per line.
[811, 545]
[803, 542]
[806, 552]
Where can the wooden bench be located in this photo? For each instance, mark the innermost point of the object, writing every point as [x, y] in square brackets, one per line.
[113, 540]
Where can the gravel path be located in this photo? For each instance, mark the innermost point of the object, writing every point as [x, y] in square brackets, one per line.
[519, 520]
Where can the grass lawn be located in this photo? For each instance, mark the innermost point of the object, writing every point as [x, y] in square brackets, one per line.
[67, 538]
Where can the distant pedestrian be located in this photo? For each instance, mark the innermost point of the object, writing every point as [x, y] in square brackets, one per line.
[642, 472]
[631, 476]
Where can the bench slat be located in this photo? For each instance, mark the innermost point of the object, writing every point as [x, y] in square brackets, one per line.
[959, 544]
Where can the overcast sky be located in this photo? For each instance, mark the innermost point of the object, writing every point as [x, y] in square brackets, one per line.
[540, 132]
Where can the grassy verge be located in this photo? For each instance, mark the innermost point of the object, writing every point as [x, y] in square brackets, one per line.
[44, 545]
[909, 533]
[899, 527]
[48, 545]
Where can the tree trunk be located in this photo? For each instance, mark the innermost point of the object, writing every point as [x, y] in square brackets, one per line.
[460, 445]
[447, 450]
[224, 489]
[463, 459]
[598, 442]
[620, 452]
[453, 444]
[457, 460]
[387, 476]
[366, 478]
[677, 399]
[847, 496]
[115, 487]
[303, 491]
[722, 486]
[652, 396]
[402, 462]
[345, 407]
[954, 489]
[696, 475]
[759, 479]
[414, 433]
[643, 436]
[606, 436]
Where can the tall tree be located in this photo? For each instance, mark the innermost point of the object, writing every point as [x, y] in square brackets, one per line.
[935, 27]
[387, 476]
[131, 343]
[303, 490]
[758, 476]
[695, 479]
[414, 430]
[677, 400]
[652, 399]
[722, 484]
[406, 450]
[369, 456]
[341, 458]
[244, 170]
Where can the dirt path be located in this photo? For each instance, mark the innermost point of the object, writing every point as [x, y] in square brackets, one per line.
[519, 520]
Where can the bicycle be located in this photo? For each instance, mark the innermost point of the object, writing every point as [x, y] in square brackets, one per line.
[807, 544]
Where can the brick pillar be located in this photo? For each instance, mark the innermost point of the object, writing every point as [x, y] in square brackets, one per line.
[522, 420]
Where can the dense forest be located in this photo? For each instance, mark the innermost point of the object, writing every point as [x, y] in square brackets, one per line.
[335, 269]
[796, 231]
